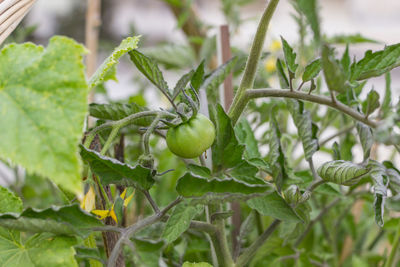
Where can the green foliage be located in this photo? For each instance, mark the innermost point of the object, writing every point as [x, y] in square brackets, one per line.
[253, 199]
[275, 206]
[310, 10]
[191, 185]
[306, 129]
[350, 39]
[215, 78]
[290, 58]
[43, 98]
[342, 172]
[179, 221]
[107, 70]
[112, 171]
[312, 70]
[149, 68]
[40, 250]
[66, 220]
[9, 202]
[371, 103]
[171, 55]
[376, 63]
[117, 111]
[334, 75]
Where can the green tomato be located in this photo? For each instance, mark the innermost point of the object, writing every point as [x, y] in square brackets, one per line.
[192, 138]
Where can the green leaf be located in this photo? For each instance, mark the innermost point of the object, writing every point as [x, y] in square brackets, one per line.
[366, 138]
[117, 111]
[371, 103]
[88, 253]
[112, 171]
[246, 172]
[275, 206]
[342, 172]
[9, 202]
[39, 251]
[290, 57]
[226, 150]
[376, 63]
[334, 75]
[149, 68]
[387, 99]
[346, 62]
[66, 220]
[199, 170]
[149, 252]
[350, 39]
[310, 9]
[311, 71]
[198, 77]
[179, 221]
[283, 80]
[191, 185]
[171, 55]
[43, 104]
[245, 136]
[276, 158]
[181, 84]
[303, 122]
[216, 78]
[196, 264]
[108, 66]
[379, 176]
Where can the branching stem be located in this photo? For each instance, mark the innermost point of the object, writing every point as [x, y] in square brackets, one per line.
[136, 227]
[249, 75]
[258, 93]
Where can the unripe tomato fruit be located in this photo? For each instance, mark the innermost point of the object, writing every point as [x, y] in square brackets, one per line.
[192, 138]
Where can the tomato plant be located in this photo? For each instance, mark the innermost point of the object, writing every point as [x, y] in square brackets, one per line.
[294, 175]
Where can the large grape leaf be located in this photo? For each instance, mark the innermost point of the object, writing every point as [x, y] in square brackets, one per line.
[38, 251]
[43, 104]
[9, 202]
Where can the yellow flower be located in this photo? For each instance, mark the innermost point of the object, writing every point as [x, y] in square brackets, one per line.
[270, 64]
[111, 213]
[128, 199]
[106, 213]
[275, 46]
[88, 202]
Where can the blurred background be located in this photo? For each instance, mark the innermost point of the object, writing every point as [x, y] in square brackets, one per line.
[155, 21]
[373, 24]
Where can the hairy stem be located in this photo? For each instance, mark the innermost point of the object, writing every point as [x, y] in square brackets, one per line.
[247, 81]
[319, 217]
[252, 250]
[146, 136]
[258, 93]
[131, 230]
[126, 121]
[390, 261]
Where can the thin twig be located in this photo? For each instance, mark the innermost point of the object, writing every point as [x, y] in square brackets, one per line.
[343, 131]
[136, 227]
[257, 93]
[153, 204]
[251, 251]
[319, 217]
[146, 136]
